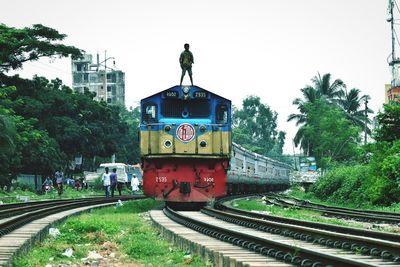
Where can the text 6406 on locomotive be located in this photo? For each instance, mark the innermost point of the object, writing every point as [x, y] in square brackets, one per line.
[185, 142]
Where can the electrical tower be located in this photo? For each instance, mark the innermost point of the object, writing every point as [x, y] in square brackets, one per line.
[393, 60]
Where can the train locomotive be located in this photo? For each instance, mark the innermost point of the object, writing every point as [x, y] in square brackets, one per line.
[187, 153]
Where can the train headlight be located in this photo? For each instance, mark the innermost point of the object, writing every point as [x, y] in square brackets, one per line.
[167, 128]
[186, 90]
[202, 128]
[167, 143]
[203, 143]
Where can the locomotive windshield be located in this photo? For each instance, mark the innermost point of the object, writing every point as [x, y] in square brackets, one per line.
[178, 108]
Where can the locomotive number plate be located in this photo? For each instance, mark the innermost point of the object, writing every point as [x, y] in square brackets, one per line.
[208, 179]
[161, 179]
[171, 94]
[200, 94]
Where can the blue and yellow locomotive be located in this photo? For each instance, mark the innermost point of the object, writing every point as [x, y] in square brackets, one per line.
[185, 142]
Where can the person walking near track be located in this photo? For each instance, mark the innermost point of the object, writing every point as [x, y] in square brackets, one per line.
[106, 182]
[186, 61]
[134, 184]
[113, 180]
[59, 175]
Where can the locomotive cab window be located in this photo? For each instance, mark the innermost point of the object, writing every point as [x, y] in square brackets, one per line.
[150, 113]
[221, 113]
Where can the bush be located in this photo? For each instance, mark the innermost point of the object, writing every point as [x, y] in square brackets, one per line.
[342, 184]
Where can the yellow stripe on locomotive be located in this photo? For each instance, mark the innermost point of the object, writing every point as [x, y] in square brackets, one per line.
[213, 144]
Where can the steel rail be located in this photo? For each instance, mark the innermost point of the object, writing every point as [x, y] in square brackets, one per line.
[322, 226]
[10, 210]
[334, 208]
[344, 214]
[366, 246]
[29, 203]
[279, 250]
[15, 222]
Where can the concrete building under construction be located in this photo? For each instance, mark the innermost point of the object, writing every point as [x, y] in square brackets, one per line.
[107, 82]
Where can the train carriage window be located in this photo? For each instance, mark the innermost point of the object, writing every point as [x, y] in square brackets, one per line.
[221, 113]
[150, 113]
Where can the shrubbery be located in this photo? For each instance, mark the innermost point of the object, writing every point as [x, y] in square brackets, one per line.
[377, 181]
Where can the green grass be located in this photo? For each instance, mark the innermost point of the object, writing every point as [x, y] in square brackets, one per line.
[312, 198]
[300, 214]
[123, 230]
[14, 196]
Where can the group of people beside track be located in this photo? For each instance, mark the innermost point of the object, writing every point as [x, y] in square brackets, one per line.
[110, 182]
[58, 181]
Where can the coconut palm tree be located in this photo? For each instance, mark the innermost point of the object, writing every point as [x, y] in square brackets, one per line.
[325, 89]
[322, 88]
[351, 102]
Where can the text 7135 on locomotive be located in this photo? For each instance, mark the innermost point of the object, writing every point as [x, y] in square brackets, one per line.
[185, 142]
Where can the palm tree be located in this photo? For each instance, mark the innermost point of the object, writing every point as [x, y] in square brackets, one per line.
[330, 91]
[310, 96]
[322, 88]
[351, 102]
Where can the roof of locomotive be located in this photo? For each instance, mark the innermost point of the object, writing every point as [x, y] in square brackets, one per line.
[179, 87]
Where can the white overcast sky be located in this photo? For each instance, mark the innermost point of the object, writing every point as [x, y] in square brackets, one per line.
[269, 48]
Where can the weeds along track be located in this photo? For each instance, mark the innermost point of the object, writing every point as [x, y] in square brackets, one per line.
[13, 216]
[290, 241]
[23, 225]
[355, 214]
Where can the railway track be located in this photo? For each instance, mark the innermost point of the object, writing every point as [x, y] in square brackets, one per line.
[293, 242]
[21, 224]
[360, 215]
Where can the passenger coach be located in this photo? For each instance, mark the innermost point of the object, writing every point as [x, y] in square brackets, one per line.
[185, 142]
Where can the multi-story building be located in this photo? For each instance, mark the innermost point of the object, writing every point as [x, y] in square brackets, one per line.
[107, 83]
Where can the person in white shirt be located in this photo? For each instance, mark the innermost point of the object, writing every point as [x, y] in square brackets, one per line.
[106, 182]
[134, 184]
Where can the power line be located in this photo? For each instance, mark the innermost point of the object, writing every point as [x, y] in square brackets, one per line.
[397, 38]
[397, 7]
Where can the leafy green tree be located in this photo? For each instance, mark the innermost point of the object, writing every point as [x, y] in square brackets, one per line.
[129, 150]
[27, 149]
[321, 88]
[79, 124]
[333, 136]
[29, 44]
[254, 127]
[389, 123]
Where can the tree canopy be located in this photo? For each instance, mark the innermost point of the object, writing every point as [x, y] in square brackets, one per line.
[318, 99]
[29, 44]
[44, 123]
[389, 123]
[255, 127]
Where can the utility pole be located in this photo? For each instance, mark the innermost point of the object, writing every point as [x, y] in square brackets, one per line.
[366, 120]
[391, 20]
[105, 74]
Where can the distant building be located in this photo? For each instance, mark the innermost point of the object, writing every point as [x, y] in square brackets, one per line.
[391, 93]
[87, 75]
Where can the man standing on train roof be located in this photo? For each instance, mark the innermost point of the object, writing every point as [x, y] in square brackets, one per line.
[186, 61]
